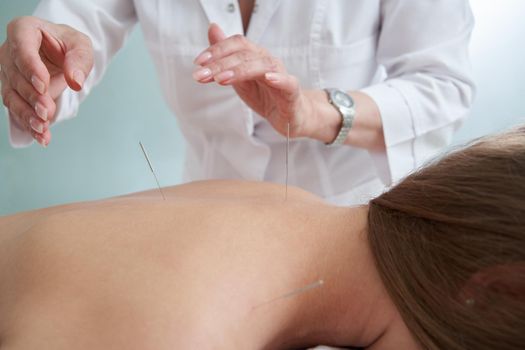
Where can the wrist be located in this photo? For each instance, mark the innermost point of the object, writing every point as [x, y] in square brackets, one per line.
[324, 121]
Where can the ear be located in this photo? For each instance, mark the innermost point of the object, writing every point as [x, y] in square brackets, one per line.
[493, 284]
[215, 34]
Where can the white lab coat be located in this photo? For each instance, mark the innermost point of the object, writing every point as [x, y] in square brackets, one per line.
[410, 56]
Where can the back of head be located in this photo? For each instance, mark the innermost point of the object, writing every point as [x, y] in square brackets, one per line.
[449, 244]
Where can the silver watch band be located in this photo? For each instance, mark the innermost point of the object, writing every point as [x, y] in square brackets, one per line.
[346, 107]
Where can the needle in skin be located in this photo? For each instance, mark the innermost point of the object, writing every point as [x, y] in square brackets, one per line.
[287, 153]
[301, 290]
[152, 171]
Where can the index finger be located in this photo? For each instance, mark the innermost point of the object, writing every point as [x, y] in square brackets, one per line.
[225, 48]
[24, 38]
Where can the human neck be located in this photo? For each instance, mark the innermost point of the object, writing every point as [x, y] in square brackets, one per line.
[352, 308]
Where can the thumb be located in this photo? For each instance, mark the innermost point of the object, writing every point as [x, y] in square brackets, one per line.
[215, 34]
[78, 59]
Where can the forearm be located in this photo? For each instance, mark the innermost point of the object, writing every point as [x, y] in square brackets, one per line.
[325, 121]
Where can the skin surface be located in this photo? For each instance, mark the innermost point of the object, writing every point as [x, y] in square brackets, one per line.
[193, 272]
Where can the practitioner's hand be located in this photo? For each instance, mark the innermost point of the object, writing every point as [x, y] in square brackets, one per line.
[37, 61]
[259, 79]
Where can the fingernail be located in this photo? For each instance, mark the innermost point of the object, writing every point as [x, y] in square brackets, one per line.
[36, 125]
[203, 58]
[271, 76]
[41, 111]
[201, 73]
[78, 77]
[38, 84]
[224, 76]
[42, 142]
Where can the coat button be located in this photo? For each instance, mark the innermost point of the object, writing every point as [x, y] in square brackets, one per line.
[231, 7]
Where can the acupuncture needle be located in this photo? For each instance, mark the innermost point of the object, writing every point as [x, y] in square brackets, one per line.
[287, 154]
[301, 290]
[151, 168]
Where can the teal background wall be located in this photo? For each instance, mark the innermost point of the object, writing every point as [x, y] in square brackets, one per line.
[96, 155]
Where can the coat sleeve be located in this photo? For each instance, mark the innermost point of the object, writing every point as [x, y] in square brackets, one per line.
[107, 23]
[423, 46]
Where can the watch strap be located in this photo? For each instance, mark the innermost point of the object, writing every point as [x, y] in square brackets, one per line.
[347, 118]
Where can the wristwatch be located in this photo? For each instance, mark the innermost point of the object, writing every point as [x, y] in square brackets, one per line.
[346, 107]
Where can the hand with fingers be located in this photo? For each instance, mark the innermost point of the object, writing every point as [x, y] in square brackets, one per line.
[259, 79]
[38, 61]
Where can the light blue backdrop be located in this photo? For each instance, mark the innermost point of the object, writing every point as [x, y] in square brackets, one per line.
[96, 155]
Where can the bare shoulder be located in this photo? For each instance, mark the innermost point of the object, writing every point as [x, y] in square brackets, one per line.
[242, 189]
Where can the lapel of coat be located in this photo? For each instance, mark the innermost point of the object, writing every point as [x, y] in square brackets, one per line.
[217, 11]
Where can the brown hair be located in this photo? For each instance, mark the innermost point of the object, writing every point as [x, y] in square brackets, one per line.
[449, 244]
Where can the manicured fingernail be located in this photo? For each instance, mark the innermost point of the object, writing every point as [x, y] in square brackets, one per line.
[41, 111]
[271, 76]
[78, 77]
[224, 76]
[203, 58]
[36, 125]
[201, 73]
[38, 84]
[42, 142]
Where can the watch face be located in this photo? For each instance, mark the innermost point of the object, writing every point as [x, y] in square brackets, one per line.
[342, 99]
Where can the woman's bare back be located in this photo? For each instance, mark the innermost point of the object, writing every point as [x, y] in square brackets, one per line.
[138, 272]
